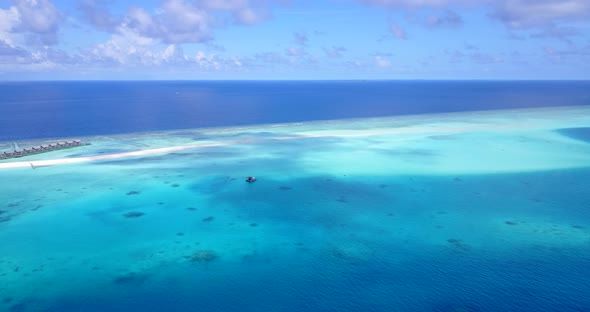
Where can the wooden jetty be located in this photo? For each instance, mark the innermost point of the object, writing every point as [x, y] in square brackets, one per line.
[21, 152]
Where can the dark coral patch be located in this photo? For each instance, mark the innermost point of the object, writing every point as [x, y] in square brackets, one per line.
[179, 234]
[2, 211]
[339, 253]
[203, 256]
[191, 208]
[20, 307]
[285, 188]
[208, 219]
[253, 224]
[5, 219]
[458, 244]
[133, 214]
[175, 185]
[133, 193]
[342, 199]
[131, 279]
[511, 222]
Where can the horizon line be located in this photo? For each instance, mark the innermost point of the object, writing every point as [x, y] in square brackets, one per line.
[295, 80]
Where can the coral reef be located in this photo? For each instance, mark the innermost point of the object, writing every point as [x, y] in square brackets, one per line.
[133, 214]
[458, 244]
[131, 278]
[203, 256]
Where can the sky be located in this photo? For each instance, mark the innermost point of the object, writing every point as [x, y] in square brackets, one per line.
[294, 39]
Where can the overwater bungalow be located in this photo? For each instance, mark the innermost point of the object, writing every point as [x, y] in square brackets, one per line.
[19, 152]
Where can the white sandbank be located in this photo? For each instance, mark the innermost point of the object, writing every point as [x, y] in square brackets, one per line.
[64, 161]
[448, 123]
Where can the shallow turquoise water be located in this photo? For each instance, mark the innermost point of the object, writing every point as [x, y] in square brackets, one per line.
[468, 212]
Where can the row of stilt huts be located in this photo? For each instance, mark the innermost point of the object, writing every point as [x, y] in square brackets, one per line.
[20, 152]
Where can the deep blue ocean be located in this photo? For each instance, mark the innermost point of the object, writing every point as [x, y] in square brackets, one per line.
[66, 109]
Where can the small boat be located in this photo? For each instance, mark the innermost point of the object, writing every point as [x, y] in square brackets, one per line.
[251, 179]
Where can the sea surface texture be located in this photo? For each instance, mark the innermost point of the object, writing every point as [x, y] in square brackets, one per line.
[465, 211]
[64, 109]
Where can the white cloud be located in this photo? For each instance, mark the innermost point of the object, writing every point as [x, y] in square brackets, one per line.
[515, 14]
[250, 16]
[8, 20]
[126, 47]
[293, 51]
[413, 3]
[177, 21]
[10, 54]
[447, 19]
[397, 31]
[334, 52]
[225, 4]
[97, 14]
[213, 62]
[243, 11]
[35, 21]
[300, 38]
[38, 16]
[382, 62]
[519, 14]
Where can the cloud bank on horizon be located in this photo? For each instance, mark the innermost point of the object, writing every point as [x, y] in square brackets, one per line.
[290, 39]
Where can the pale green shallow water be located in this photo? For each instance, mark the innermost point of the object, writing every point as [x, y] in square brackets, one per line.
[438, 212]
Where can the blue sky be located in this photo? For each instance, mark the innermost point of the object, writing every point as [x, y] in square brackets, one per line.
[290, 39]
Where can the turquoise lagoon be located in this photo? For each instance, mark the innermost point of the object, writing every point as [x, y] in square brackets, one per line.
[479, 211]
